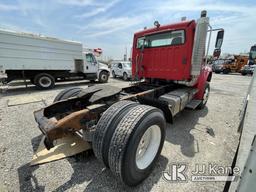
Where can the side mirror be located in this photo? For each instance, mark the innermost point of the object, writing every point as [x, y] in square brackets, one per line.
[219, 39]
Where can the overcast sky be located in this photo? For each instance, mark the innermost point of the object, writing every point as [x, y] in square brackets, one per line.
[110, 24]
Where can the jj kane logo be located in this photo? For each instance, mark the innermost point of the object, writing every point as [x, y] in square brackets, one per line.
[177, 172]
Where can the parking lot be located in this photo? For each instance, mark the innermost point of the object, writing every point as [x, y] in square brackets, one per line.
[196, 137]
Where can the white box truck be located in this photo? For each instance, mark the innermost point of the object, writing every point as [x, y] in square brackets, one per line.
[44, 60]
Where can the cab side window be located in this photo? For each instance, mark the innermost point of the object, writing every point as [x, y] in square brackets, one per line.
[90, 59]
[168, 38]
[120, 65]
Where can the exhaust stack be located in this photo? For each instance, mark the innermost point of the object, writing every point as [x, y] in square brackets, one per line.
[199, 43]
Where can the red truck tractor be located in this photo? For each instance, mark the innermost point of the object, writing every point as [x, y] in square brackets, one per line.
[126, 126]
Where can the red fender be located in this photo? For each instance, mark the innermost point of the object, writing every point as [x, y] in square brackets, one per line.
[205, 76]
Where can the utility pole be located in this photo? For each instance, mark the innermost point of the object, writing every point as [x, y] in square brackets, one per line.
[125, 54]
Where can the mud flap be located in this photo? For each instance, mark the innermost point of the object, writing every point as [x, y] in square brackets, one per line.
[64, 147]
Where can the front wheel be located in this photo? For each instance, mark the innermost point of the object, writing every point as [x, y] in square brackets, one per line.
[136, 144]
[103, 77]
[113, 74]
[205, 97]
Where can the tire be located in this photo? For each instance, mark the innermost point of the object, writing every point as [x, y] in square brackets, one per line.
[106, 127]
[217, 72]
[44, 81]
[206, 96]
[125, 76]
[226, 71]
[124, 160]
[243, 73]
[67, 93]
[113, 74]
[103, 77]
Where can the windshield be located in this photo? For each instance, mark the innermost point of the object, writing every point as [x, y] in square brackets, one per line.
[253, 52]
[218, 62]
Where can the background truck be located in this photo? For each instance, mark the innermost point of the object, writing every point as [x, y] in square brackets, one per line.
[126, 126]
[44, 60]
[249, 68]
[252, 55]
[232, 65]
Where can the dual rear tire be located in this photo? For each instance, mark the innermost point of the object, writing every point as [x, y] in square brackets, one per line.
[128, 139]
[44, 81]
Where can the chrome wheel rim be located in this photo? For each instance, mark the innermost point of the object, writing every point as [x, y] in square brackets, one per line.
[104, 77]
[125, 77]
[148, 147]
[45, 81]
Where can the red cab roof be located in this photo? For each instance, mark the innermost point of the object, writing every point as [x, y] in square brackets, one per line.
[174, 26]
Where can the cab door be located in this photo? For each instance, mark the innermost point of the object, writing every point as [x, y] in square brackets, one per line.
[119, 69]
[91, 64]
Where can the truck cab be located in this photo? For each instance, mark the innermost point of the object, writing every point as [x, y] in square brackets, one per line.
[175, 53]
[94, 68]
[164, 52]
[91, 64]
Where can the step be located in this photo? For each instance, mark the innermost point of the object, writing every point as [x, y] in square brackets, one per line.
[193, 104]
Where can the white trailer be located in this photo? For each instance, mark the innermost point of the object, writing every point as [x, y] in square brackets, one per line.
[44, 60]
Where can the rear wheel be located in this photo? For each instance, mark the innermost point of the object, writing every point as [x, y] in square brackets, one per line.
[67, 93]
[125, 76]
[44, 81]
[205, 97]
[226, 71]
[106, 127]
[103, 77]
[136, 144]
[113, 74]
